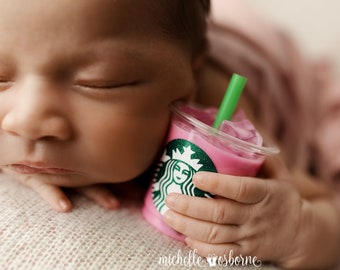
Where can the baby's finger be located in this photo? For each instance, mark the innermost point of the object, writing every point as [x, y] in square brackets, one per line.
[220, 210]
[100, 195]
[53, 195]
[242, 189]
[202, 230]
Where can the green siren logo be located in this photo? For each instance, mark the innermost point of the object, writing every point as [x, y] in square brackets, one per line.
[179, 162]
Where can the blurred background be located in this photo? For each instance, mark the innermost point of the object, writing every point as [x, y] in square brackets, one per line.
[314, 24]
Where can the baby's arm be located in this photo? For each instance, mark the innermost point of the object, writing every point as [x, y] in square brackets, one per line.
[267, 218]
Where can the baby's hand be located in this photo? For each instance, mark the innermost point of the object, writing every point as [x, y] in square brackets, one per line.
[57, 199]
[251, 216]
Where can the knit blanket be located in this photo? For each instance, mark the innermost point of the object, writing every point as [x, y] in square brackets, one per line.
[35, 237]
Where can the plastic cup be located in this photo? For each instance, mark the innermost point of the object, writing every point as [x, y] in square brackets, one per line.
[193, 146]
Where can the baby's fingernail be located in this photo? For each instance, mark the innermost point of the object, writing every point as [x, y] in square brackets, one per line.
[198, 179]
[188, 241]
[168, 215]
[170, 200]
[113, 203]
[64, 205]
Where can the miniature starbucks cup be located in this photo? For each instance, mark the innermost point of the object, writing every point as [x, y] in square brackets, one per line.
[192, 146]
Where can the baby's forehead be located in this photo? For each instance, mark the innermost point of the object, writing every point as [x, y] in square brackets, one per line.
[89, 12]
[56, 24]
[150, 18]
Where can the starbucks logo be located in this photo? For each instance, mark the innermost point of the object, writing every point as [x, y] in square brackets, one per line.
[179, 162]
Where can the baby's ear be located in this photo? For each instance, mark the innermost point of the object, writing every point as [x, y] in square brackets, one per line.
[198, 66]
[198, 62]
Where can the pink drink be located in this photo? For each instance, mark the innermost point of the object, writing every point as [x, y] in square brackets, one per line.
[192, 146]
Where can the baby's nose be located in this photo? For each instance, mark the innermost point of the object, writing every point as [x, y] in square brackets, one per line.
[35, 127]
[36, 112]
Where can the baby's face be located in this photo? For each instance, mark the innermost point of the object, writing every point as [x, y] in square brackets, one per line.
[84, 89]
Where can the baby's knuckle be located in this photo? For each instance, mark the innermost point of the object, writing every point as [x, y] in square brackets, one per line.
[243, 190]
[219, 213]
[213, 234]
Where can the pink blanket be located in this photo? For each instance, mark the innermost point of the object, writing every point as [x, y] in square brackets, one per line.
[296, 100]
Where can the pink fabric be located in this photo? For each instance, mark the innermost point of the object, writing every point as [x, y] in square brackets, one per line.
[327, 134]
[283, 84]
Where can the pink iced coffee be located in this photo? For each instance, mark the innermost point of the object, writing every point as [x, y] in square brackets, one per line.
[234, 148]
[204, 140]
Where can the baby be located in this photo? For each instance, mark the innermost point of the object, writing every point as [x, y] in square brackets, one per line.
[85, 89]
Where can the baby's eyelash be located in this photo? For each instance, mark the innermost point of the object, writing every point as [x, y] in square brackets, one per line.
[105, 85]
[5, 84]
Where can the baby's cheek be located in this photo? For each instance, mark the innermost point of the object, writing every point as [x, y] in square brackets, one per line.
[130, 161]
[128, 148]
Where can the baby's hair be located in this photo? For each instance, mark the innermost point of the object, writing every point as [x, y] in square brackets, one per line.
[185, 20]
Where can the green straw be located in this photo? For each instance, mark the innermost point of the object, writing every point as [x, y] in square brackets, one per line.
[230, 99]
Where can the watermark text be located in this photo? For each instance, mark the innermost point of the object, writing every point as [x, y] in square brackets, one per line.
[191, 259]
